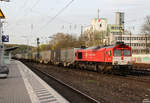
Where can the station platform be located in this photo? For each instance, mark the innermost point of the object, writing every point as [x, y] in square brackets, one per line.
[24, 86]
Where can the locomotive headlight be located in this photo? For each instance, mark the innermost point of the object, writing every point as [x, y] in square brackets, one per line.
[116, 62]
[130, 62]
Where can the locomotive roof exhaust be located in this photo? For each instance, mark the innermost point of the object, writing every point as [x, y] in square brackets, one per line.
[83, 47]
[119, 43]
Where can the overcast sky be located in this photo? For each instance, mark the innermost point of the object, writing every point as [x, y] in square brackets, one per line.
[28, 19]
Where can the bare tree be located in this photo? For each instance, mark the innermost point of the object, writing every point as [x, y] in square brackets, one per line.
[61, 40]
[95, 38]
[146, 25]
[146, 31]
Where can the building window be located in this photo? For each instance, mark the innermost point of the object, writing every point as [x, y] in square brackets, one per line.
[100, 25]
[141, 38]
[134, 44]
[112, 28]
[140, 44]
[116, 38]
[143, 44]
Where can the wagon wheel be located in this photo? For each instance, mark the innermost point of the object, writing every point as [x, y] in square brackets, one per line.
[109, 69]
[101, 69]
[104, 70]
[96, 67]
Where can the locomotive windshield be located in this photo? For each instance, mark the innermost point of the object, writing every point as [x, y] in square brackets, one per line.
[117, 52]
[126, 52]
[122, 52]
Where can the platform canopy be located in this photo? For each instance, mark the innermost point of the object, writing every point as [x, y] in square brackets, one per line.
[11, 49]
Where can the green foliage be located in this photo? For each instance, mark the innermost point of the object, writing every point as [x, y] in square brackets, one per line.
[44, 47]
[146, 25]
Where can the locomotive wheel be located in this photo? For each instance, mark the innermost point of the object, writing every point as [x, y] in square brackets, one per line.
[101, 69]
[95, 67]
[109, 69]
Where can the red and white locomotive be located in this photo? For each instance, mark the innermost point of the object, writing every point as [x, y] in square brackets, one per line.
[106, 58]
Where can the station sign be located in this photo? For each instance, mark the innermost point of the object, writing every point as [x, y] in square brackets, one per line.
[2, 16]
[5, 38]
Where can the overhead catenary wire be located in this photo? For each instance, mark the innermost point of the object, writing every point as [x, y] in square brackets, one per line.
[35, 4]
[25, 13]
[31, 8]
[53, 18]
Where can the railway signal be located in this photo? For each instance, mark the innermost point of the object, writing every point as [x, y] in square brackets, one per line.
[38, 48]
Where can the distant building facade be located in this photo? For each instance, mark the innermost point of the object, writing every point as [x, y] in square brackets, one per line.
[117, 28]
[140, 43]
[97, 24]
[119, 18]
[113, 30]
[116, 32]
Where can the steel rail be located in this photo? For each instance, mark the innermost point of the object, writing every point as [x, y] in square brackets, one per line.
[74, 89]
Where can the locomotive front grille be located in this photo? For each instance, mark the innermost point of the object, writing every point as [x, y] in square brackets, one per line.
[120, 61]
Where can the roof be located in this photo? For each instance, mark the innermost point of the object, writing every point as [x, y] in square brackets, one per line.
[106, 46]
[11, 49]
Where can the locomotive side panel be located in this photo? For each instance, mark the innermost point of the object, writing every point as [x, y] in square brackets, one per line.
[81, 55]
[108, 55]
[100, 55]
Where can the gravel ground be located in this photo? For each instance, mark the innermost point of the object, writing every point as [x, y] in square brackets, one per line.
[105, 88]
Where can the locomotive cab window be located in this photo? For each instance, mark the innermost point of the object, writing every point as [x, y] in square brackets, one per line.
[80, 55]
[126, 52]
[117, 52]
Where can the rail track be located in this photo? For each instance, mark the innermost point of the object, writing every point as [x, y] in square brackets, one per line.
[142, 72]
[139, 75]
[137, 71]
[139, 79]
[71, 94]
[141, 83]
